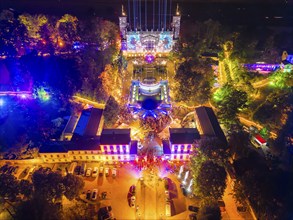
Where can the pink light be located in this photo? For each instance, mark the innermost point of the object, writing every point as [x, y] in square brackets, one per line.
[23, 96]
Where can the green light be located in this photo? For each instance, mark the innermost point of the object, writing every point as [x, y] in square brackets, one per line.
[43, 95]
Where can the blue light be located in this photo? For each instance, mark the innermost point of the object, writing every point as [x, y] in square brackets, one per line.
[1, 102]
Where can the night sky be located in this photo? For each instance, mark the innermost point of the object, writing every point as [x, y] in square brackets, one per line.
[241, 11]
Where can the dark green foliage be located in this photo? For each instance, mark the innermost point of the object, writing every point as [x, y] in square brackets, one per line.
[209, 210]
[111, 111]
[213, 148]
[48, 184]
[211, 180]
[230, 101]
[8, 186]
[38, 208]
[26, 188]
[194, 81]
[73, 186]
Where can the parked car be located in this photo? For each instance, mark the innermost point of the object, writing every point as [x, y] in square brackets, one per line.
[15, 169]
[193, 208]
[88, 195]
[95, 172]
[167, 193]
[83, 169]
[107, 171]
[88, 172]
[132, 201]
[95, 194]
[168, 209]
[132, 190]
[114, 172]
[101, 171]
[77, 170]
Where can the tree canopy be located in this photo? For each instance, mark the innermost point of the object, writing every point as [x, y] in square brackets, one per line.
[211, 180]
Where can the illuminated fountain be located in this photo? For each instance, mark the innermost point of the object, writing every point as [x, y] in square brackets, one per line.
[180, 171]
[189, 186]
[185, 177]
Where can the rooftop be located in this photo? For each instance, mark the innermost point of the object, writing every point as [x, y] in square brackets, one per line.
[208, 122]
[183, 135]
[115, 136]
[89, 122]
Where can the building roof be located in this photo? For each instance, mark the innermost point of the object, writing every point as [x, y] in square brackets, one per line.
[183, 135]
[53, 147]
[69, 128]
[89, 122]
[208, 123]
[92, 144]
[65, 146]
[115, 136]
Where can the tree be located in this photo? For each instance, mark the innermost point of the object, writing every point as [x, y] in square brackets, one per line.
[38, 208]
[211, 180]
[73, 186]
[8, 186]
[209, 210]
[193, 82]
[67, 30]
[238, 142]
[111, 81]
[213, 148]
[111, 111]
[26, 188]
[196, 163]
[48, 184]
[12, 35]
[229, 102]
[33, 25]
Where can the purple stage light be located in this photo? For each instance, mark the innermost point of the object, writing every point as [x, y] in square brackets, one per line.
[149, 58]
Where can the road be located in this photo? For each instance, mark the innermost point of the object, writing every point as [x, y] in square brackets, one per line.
[78, 99]
[261, 83]
[249, 123]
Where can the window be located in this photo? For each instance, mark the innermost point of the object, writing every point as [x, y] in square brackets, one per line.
[64, 155]
[74, 157]
[87, 157]
[51, 156]
[93, 157]
[113, 157]
[72, 152]
[80, 157]
[119, 157]
[45, 156]
[92, 152]
[58, 155]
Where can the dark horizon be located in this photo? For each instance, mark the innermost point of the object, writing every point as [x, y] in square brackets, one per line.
[259, 12]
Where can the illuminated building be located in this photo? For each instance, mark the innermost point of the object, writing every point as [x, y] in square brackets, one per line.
[207, 123]
[140, 36]
[117, 144]
[181, 144]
